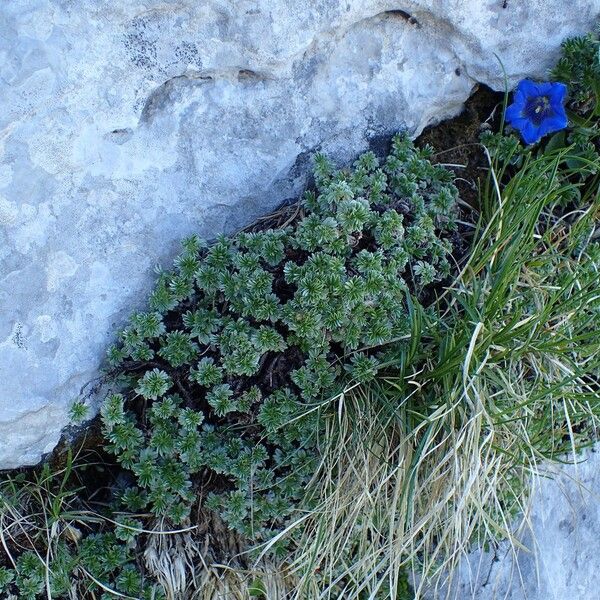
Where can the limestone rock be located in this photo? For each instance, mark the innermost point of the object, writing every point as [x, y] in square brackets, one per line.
[558, 559]
[128, 124]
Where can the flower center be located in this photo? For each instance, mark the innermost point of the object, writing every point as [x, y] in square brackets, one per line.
[538, 108]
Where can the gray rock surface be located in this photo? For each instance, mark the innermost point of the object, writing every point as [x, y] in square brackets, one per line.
[560, 549]
[127, 124]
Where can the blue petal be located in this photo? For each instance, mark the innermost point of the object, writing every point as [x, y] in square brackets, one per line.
[560, 120]
[530, 133]
[514, 112]
[528, 88]
[552, 124]
[545, 88]
[519, 97]
[557, 94]
[558, 111]
[519, 122]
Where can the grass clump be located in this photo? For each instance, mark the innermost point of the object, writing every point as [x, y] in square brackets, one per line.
[55, 546]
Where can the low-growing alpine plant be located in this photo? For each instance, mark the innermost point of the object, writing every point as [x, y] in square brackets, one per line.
[579, 68]
[244, 339]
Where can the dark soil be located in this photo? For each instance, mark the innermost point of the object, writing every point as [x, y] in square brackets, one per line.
[456, 141]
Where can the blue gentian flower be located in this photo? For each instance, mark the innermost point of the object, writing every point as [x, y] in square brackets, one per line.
[537, 109]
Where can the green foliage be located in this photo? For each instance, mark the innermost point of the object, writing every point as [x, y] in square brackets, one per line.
[43, 523]
[6, 577]
[107, 559]
[207, 373]
[363, 368]
[220, 398]
[78, 413]
[253, 331]
[579, 68]
[177, 349]
[154, 384]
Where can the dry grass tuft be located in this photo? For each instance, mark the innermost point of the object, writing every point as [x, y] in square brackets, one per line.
[208, 563]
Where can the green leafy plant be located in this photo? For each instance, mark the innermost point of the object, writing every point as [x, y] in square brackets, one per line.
[79, 412]
[579, 68]
[246, 336]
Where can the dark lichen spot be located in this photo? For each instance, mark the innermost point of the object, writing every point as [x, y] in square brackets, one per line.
[248, 75]
[119, 136]
[18, 338]
[142, 51]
